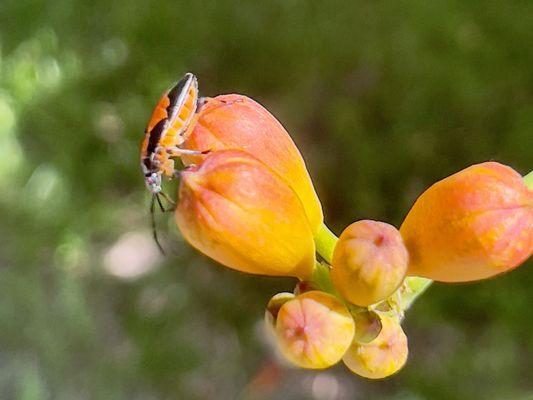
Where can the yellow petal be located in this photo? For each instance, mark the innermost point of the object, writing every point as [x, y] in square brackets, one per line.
[237, 211]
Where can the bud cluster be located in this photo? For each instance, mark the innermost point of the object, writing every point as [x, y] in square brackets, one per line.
[316, 330]
[248, 202]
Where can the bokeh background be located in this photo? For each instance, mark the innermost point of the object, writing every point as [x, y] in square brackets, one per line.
[382, 97]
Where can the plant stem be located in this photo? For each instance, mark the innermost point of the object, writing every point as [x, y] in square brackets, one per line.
[411, 289]
[528, 179]
[325, 242]
[322, 280]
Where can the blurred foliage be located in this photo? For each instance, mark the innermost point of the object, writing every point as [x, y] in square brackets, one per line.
[383, 98]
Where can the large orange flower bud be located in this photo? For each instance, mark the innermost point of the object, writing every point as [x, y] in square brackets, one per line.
[472, 225]
[236, 210]
[369, 262]
[314, 330]
[237, 122]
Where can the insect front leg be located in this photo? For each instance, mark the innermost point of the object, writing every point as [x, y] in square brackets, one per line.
[178, 152]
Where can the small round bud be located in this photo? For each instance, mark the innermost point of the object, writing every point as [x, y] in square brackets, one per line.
[314, 330]
[369, 262]
[367, 326]
[274, 305]
[383, 356]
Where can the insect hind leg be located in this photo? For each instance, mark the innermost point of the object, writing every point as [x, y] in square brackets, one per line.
[168, 199]
[154, 225]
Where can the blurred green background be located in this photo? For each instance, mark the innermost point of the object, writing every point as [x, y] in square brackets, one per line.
[382, 97]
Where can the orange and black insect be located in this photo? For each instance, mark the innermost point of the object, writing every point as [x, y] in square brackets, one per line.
[167, 130]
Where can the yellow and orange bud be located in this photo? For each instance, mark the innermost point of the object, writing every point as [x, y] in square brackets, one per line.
[369, 262]
[367, 325]
[237, 122]
[383, 356]
[471, 225]
[236, 210]
[314, 330]
[273, 307]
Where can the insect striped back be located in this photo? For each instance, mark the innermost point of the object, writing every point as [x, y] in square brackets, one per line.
[167, 129]
[175, 111]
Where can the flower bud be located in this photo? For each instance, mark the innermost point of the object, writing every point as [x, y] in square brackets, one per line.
[471, 225]
[367, 325]
[273, 307]
[314, 330]
[383, 356]
[369, 262]
[237, 122]
[235, 210]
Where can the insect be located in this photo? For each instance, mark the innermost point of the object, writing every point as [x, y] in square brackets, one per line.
[167, 130]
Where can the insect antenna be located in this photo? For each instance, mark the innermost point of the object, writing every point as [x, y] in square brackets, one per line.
[154, 226]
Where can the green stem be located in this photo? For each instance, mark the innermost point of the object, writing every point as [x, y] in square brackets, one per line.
[411, 289]
[325, 242]
[528, 179]
[322, 280]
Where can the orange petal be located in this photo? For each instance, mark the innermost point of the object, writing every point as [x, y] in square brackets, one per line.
[238, 122]
[471, 225]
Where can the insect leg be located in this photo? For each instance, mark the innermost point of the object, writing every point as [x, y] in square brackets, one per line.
[200, 103]
[177, 152]
[159, 203]
[154, 227]
[167, 198]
